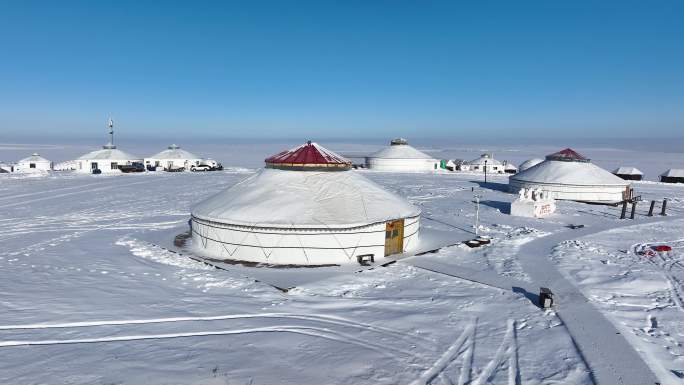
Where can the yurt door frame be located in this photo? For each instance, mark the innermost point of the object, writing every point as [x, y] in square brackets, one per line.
[394, 237]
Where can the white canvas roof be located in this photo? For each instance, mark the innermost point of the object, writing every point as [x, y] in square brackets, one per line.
[509, 166]
[109, 152]
[529, 163]
[674, 173]
[628, 171]
[400, 151]
[304, 199]
[174, 152]
[34, 158]
[569, 173]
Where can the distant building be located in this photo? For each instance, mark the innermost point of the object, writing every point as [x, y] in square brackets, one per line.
[628, 173]
[568, 175]
[108, 159]
[509, 168]
[400, 156]
[33, 163]
[484, 161]
[6, 168]
[529, 163]
[673, 175]
[173, 158]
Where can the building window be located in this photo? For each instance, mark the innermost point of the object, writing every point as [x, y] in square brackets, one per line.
[114, 166]
[32, 165]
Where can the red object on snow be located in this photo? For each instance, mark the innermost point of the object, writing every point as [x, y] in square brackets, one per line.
[662, 248]
[568, 155]
[309, 156]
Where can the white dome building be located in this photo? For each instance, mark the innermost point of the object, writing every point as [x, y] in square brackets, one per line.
[400, 156]
[305, 208]
[173, 158]
[478, 165]
[529, 163]
[108, 159]
[570, 176]
[33, 163]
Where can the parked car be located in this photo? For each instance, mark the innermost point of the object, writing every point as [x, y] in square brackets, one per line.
[201, 167]
[97, 171]
[133, 167]
[174, 169]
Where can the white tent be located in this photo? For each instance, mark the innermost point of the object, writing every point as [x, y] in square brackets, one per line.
[529, 163]
[305, 208]
[478, 165]
[628, 173]
[173, 158]
[400, 156]
[33, 163]
[570, 176]
[107, 159]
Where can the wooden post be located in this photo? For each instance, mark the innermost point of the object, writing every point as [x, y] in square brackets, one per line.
[662, 211]
[634, 203]
[650, 210]
[624, 210]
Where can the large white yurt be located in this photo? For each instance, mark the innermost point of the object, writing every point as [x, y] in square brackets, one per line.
[484, 161]
[108, 159]
[570, 176]
[305, 208]
[400, 156]
[33, 163]
[529, 163]
[173, 158]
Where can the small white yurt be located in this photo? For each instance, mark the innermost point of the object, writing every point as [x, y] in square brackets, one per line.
[509, 168]
[628, 173]
[570, 176]
[305, 208]
[33, 163]
[173, 158]
[529, 163]
[485, 160]
[400, 156]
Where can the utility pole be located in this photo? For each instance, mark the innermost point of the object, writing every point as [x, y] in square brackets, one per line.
[485, 166]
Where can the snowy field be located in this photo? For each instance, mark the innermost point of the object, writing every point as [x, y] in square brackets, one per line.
[87, 298]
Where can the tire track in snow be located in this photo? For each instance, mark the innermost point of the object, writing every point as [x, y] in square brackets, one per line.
[309, 331]
[328, 319]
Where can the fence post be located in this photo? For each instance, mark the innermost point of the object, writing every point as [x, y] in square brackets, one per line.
[650, 210]
[631, 216]
[624, 210]
[662, 211]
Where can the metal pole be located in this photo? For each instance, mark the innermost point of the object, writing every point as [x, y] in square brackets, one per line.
[624, 210]
[485, 170]
[477, 213]
[662, 211]
[634, 203]
[650, 210]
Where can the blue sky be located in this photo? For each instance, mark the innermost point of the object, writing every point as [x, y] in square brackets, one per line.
[335, 69]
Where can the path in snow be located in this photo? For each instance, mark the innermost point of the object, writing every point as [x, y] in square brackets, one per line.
[611, 359]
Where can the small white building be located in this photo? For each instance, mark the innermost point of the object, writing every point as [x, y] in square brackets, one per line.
[305, 208]
[33, 163]
[568, 175]
[509, 168]
[484, 161]
[628, 173]
[173, 158]
[400, 156]
[529, 163]
[108, 159]
[673, 175]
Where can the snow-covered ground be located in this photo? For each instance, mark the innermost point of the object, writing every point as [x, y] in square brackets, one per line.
[88, 299]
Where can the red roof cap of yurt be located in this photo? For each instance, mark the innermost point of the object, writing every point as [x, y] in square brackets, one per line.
[568, 155]
[308, 156]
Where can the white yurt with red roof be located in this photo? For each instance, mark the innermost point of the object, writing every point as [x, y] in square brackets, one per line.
[307, 207]
[568, 175]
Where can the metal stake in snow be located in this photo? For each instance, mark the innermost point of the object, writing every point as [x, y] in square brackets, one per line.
[477, 212]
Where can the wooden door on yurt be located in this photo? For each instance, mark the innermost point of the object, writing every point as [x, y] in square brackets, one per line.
[394, 237]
